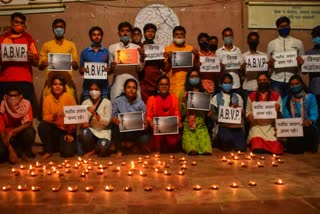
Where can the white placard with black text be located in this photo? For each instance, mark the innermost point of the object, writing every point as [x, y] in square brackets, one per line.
[264, 110]
[256, 63]
[290, 127]
[14, 52]
[75, 114]
[95, 70]
[285, 59]
[229, 115]
[311, 63]
[153, 52]
[209, 64]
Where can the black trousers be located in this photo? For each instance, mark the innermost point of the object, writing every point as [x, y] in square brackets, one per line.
[309, 141]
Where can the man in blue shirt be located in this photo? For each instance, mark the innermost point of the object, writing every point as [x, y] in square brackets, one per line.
[98, 54]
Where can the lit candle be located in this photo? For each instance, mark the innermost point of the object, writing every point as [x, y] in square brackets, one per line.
[100, 171]
[166, 172]
[197, 187]
[262, 158]
[248, 157]
[86, 171]
[38, 164]
[123, 163]
[243, 164]
[140, 160]
[193, 163]
[59, 166]
[252, 183]
[22, 188]
[95, 164]
[116, 169]
[275, 156]
[59, 173]
[260, 164]
[56, 188]
[148, 188]
[109, 188]
[158, 170]
[6, 188]
[101, 166]
[165, 165]
[68, 170]
[232, 154]
[181, 172]
[22, 166]
[169, 188]
[67, 165]
[214, 187]
[76, 166]
[251, 154]
[50, 163]
[274, 163]
[157, 155]
[230, 162]
[83, 174]
[279, 182]
[172, 157]
[13, 170]
[142, 173]
[235, 157]
[35, 188]
[146, 157]
[33, 174]
[89, 167]
[145, 166]
[73, 188]
[30, 167]
[132, 165]
[48, 172]
[224, 159]
[234, 185]
[280, 161]
[240, 153]
[53, 169]
[128, 189]
[66, 161]
[130, 173]
[85, 162]
[183, 166]
[89, 188]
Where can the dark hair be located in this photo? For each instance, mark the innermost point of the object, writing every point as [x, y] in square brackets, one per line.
[136, 29]
[163, 77]
[60, 78]
[19, 15]
[94, 29]
[123, 25]
[212, 38]
[263, 73]
[95, 82]
[297, 77]
[227, 29]
[315, 31]
[224, 76]
[203, 35]
[56, 21]
[253, 33]
[281, 20]
[178, 28]
[10, 88]
[130, 80]
[149, 26]
[188, 86]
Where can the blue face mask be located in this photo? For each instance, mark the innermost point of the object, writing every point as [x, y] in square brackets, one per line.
[194, 81]
[228, 40]
[125, 39]
[316, 40]
[296, 89]
[59, 32]
[226, 87]
[283, 32]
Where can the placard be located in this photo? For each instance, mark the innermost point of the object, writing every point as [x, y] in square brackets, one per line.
[256, 63]
[229, 115]
[165, 125]
[75, 114]
[231, 61]
[131, 121]
[59, 62]
[14, 52]
[311, 63]
[285, 59]
[182, 59]
[198, 101]
[209, 64]
[127, 57]
[290, 127]
[153, 52]
[95, 70]
[264, 110]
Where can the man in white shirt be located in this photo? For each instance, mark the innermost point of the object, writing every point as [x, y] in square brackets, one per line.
[283, 43]
[123, 72]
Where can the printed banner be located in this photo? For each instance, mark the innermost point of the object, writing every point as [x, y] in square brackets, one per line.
[14, 52]
[209, 64]
[289, 127]
[165, 125]
[153, 52]
[264, 110]
[311, 63]
[131, 121]
[75, 114]
[127, 57]
[95, 70]
[229, 115]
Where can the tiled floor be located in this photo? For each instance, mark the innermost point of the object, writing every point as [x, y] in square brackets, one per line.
[299, 194]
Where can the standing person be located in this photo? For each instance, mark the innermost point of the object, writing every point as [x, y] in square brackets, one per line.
[124, 72]
[128, 101]
[163, 103]
[16, 132]
[18, 73]
[59, 45]
[152, 68]
[177, 76]
[299, 103]
[54, 134]
[262, 136]
[229, 48]
[137, 36]
[95, 135]
[229, 136]
[94, 53]
[195, 137]
[284, 42]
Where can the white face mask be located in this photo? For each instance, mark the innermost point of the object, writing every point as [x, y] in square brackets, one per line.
[179, 41]
[94, 94]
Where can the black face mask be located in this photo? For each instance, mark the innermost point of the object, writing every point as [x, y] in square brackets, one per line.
[253, 45]
[212, 47]
[263, 86]
[203, 45]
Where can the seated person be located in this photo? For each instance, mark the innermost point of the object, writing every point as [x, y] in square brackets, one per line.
[262, 136]
[54, 134]
[128, 102]
[229, 136]
[95, 135]
[195, 137]
[16, 131]
[299, 103]
[163, 103]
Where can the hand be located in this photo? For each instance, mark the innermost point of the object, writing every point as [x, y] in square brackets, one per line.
[222, 67]
[85, 125]
[277, 107]
[68, 138]
[115, 120]
[180, 125]
[30, 55]
[82, 70]
[307, 123]
[91, 110]
[43, 65]
[168, 55]
[300, 61]
[235, 105]
[75, 65]
[250, 118]
[271, 63]
[243, 66]
[195, 53]
[111, 67]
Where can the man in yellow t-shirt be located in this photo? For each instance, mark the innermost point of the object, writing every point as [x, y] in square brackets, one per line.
[59, 45]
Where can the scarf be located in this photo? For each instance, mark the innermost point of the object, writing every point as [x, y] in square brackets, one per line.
[19, 111]
[10, 36]
[293, 108]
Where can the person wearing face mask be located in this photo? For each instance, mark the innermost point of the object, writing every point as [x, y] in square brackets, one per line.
[262, 136]
[123, 72]
[16, 132]
[284, 42]
[58, 45]
[314, 77]
[228, 136]
[13, 72]
[230, 48]
[95, 53]
[301, 104]
[95, 135]
[137, 36]
[177, 76]
[195, 136]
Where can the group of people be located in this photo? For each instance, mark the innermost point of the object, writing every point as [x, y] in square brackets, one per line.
[155, 88]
